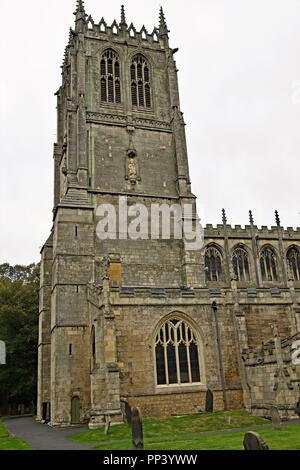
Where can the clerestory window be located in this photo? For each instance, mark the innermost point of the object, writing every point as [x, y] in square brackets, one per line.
[293, 259]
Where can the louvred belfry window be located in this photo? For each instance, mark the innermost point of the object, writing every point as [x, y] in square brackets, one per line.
[110, 78]
[177, 356]
[140, 83]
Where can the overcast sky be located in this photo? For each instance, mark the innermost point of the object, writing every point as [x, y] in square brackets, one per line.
[239, 77]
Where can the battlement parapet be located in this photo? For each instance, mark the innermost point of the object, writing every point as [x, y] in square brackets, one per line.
[237, 231]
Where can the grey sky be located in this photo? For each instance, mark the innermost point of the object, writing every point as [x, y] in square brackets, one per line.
[238, 61]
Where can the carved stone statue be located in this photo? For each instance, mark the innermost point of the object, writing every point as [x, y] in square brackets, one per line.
[132, 170]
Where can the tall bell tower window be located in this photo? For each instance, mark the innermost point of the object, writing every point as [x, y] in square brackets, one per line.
[110, 78]
[140, 82]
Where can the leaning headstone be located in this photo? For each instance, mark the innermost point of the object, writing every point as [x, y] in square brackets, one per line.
[107, 425]
[209, 401]
[128, 413]
[2, 353]
[137, 429]
[253, 441]
[275, 417]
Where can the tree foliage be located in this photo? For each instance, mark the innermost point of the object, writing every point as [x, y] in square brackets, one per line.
[19, 291]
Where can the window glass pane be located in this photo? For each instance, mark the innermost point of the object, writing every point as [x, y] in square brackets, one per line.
[194, 363]
[262, 268]
[132, 72]
[160, 365]
[103, 68]
[118, 92]
[110, 89]
[109, 68]
[134, 94]
[103, 90]
[183, 363]
[140, 71]
[141, 94]
[172, 364]
[148, 96]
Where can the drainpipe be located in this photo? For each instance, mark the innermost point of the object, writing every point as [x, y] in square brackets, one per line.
[222, 375]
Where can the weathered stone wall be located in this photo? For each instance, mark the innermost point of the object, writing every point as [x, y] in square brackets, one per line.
[272, 376]
[44, 340]
[185, 403]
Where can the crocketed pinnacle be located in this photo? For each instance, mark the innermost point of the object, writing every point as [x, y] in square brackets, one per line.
[224, 218]
[251, 219]
[80, 10]
[123, 16]
[163, 28]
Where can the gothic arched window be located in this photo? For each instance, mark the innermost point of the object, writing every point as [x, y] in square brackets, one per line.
[213, 264]
[240, 262]
[110, 78]
[176, 351]
[268, 265]
[293, 259]
[140, 82]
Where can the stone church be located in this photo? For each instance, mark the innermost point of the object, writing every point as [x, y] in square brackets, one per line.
[148, 322]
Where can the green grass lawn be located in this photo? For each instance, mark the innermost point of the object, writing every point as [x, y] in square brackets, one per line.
[183, 433]
[7, 442]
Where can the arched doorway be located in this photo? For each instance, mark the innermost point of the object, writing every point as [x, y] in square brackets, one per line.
[75, 410]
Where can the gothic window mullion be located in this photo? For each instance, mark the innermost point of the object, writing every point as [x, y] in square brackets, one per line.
[166, 355]
[188, 353]
[144, 85]
[177, 356]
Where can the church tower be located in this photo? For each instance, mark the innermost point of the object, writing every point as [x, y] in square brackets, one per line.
[119, 319]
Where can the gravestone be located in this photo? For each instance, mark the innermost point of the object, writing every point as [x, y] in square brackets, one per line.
[2, 353]
[137, 429]
[107, 425]
[209, 401]
[253, 441]
[298, 408]
[128, 413]
[275, 417]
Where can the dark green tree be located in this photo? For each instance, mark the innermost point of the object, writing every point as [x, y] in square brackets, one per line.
[19, 289]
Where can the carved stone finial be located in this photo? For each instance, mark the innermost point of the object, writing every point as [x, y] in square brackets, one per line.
[251, 220]
[123, 17]
[224, 218]
[80, 6]
[277, 218]
[163, 28]
[80, 17]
